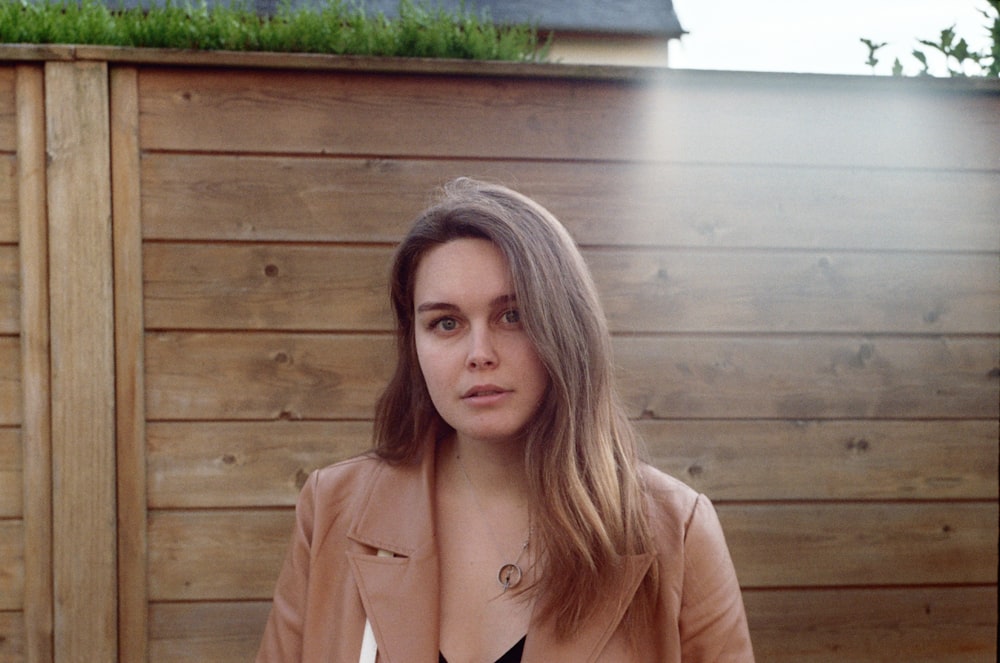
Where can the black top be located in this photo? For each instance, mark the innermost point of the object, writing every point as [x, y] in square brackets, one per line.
[513, 655]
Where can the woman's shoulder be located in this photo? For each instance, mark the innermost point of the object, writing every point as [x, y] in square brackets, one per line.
[670, 499]
[345, 475]
[663, 487]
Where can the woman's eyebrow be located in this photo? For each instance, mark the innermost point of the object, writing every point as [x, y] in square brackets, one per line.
[501, 300]
[436, 306]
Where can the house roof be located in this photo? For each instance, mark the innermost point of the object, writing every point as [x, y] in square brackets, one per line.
[654, 18]
[641, 17]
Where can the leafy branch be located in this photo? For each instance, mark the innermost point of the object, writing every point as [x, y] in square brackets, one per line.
[958, 57]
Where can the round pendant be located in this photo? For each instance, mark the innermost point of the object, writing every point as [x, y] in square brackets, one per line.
[509, 576]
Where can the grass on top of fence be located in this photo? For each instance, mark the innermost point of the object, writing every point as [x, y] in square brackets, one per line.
[333, 27]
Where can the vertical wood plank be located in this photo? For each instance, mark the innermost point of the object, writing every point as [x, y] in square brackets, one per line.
[82, 338]
[35, 426]
[129, 410]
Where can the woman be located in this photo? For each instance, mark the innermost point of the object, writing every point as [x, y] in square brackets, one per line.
[503, 514]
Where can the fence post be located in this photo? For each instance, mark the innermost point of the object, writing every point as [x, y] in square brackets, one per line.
[83, 368]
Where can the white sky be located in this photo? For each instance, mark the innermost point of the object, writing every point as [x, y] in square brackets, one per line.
[817, 36]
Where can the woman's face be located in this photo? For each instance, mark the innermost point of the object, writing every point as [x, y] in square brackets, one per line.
[481, 370]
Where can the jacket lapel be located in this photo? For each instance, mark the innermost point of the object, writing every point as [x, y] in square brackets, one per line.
[400, 593]
[542, 645]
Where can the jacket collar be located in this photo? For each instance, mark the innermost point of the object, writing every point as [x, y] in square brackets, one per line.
[400, 594]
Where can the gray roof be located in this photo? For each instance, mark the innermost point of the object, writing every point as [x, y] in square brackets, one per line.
[615, 17]
[640, 17]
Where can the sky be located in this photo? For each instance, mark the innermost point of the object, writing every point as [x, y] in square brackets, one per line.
[817, 36]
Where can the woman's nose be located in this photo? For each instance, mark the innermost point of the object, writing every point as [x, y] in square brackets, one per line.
[482, 351]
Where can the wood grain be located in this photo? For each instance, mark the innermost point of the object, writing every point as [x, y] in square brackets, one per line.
[8, 198]
[809, 377]
[688, 118]
[236, 554]
[208, 286]
[925, 625]
[83, 382]
[11, 564]
[829, 460]
[240, 464]
[281, 198]
[12, 645]
[312, 376]
[264, 376]
[243, 464]
[130, 413]
[8, 106]
[36, 429]
[781, 545]
[10, 290]
[206, 631]
[203, 555]
[10, 381]
[11, 474]
[337, 287]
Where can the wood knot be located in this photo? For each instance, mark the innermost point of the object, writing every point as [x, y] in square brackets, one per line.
[696, 470]
[228, 459]
[858, 444]
[301, 476]
[271, 270]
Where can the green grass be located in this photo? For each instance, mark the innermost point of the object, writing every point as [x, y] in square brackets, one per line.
[331, 28]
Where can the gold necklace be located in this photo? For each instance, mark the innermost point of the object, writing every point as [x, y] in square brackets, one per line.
[510, 573]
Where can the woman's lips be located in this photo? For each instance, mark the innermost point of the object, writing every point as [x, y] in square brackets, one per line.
[484, 392]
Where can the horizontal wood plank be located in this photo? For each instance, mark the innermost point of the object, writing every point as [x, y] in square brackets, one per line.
[264, 376]
[336, 287]
[9, 289]
[209, 631]
[763, 291]
[11, 474]
[922, 625]
[248, 197]
[267, 376]
[781, 545]
[916, 625]
[219, 554]
[236, 554]
[312, 376]
[209, 286]
[11, 564]
[344, 113]
[829, 460]
[230, 464]
[10, 381]
[12, 640]
[809, 377]
[8, 198]
[688, 118]
[243, 464]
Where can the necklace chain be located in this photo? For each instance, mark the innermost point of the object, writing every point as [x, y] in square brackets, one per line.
[509, 575]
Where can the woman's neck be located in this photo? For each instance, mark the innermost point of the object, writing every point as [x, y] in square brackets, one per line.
[493, 471]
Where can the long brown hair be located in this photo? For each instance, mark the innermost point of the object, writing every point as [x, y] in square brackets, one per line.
[580, 450]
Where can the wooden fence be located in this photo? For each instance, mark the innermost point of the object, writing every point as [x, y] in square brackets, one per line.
[802, 274]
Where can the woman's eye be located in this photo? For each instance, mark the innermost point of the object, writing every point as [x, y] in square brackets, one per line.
[445, 324]
[512, 317]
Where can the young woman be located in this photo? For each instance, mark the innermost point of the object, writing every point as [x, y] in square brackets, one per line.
[503, 514]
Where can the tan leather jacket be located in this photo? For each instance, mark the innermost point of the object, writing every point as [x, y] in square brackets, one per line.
[333, 579]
